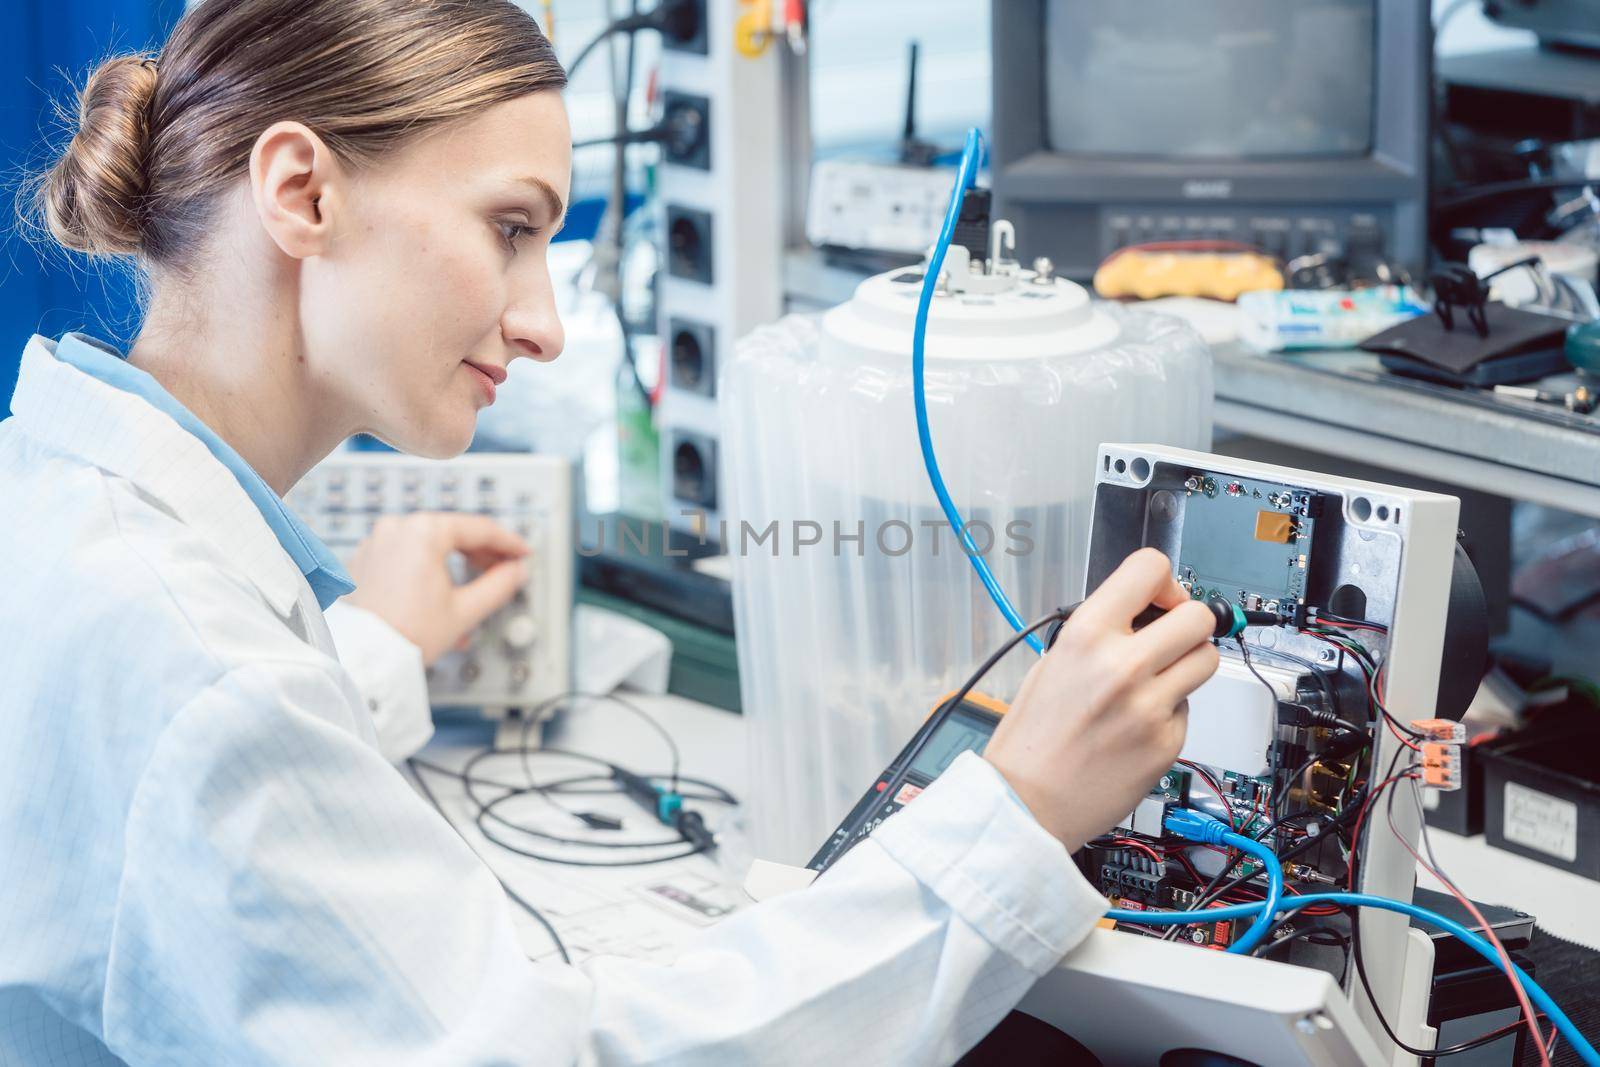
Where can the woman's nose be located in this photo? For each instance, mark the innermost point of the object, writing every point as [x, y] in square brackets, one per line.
[533, 328]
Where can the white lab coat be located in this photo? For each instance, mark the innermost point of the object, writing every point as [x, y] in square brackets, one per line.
[205, 857]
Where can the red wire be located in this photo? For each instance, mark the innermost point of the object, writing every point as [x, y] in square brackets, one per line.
[1488, 932]
[1202, 774]
[1366, 805]
[1189, 867]
[1124, 842]
[1254, 811]
[1400, 737]
[1377, 702]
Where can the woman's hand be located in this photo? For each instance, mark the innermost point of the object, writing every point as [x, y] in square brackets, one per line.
[402, 575]
[1102, 715]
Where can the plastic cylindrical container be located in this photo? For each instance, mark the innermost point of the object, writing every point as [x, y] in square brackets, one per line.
[855, 606]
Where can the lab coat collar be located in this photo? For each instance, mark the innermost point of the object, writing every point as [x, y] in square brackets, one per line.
[126, 435]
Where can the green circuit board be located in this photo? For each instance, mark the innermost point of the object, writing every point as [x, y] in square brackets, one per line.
[1247, 541]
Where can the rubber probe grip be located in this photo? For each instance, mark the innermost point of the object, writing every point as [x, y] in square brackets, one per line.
[1230, 619]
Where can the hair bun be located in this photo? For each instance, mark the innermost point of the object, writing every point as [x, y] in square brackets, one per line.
[92, 198]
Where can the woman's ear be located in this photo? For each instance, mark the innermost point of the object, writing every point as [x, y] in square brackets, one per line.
[295, 184]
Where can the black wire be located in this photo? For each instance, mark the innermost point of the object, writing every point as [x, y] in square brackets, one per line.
[1485, 1039]
[717, 795]
[1341, 940]
[1378, 626]
[1374, 667]
[1218, 886]
[1216, 889]
[1463, 197]
[1275, 760]
[984, 668]
[629, 25]
[566, 862]
[621, 95]
[1279, 799]
[1000, 653]
[1348, 943]
[1450, 1050]
[1211, 890]
[1206, 894]
[485, 811]
[1287, 818]
[538, 711]
[538, 915]
[1427, 847]
[1355, 928]
[645, 136]
[1328, 688]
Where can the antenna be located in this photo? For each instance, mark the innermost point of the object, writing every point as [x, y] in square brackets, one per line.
[910, 134]
[914, 152]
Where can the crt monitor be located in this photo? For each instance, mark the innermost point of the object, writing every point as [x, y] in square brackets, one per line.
[1296, 126]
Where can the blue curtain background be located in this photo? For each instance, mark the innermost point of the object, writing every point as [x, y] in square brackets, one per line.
[45, 48]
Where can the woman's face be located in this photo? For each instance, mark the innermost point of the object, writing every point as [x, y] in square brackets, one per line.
[437, 275]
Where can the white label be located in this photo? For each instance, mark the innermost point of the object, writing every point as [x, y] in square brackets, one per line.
[1430, 800]
[1213, 189]
[1540, 821]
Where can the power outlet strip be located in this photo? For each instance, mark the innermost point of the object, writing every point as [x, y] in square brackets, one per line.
[720, 190]
[521, 657]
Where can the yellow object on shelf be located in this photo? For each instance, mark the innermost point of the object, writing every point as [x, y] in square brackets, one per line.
[1149, 273]
[752, 31]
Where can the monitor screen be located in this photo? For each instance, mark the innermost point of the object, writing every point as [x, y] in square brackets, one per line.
[1210, 79]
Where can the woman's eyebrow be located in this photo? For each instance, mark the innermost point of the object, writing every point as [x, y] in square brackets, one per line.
[551, 197]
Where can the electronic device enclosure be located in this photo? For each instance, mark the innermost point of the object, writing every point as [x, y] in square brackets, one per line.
[1397, 545]
[520, 659]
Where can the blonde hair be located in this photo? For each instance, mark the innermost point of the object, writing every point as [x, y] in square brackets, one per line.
[157, 137]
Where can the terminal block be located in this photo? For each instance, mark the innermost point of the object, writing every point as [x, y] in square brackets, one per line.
[1441, 765]
[1441, 730]
[1441, 741]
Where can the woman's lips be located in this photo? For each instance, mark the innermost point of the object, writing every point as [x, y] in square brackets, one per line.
[487, 380]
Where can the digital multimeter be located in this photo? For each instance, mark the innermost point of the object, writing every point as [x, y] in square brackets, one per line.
[966, 727]
[948, 732]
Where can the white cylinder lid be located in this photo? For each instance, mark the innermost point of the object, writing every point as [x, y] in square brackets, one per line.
[1026, 320]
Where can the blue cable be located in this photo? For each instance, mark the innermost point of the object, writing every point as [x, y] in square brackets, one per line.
[1208, 830]
[965, 175]
[1265, 911]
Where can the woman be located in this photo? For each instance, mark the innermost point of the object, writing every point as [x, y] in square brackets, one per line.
[342, 208]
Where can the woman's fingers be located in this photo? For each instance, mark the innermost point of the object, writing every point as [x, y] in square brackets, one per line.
[1173, 636]
[1187, 674]
[1137, 583]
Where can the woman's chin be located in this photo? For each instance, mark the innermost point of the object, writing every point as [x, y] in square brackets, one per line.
[445, 437]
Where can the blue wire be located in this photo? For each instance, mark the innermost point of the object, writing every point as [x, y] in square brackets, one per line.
[1269, 907]
[1536, 993]
[971, 155]
[1196, 825]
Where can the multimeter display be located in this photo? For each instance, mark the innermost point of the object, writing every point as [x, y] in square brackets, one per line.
[946, 734]
[957, 734]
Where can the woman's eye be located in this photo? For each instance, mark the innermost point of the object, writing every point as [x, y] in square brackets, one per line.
[511, 231]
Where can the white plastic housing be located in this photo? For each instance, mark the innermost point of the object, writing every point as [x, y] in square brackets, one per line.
[1398, 545]
[1232, 718]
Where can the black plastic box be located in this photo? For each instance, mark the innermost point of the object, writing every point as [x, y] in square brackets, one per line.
[1541, 798]
[1460, 811]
